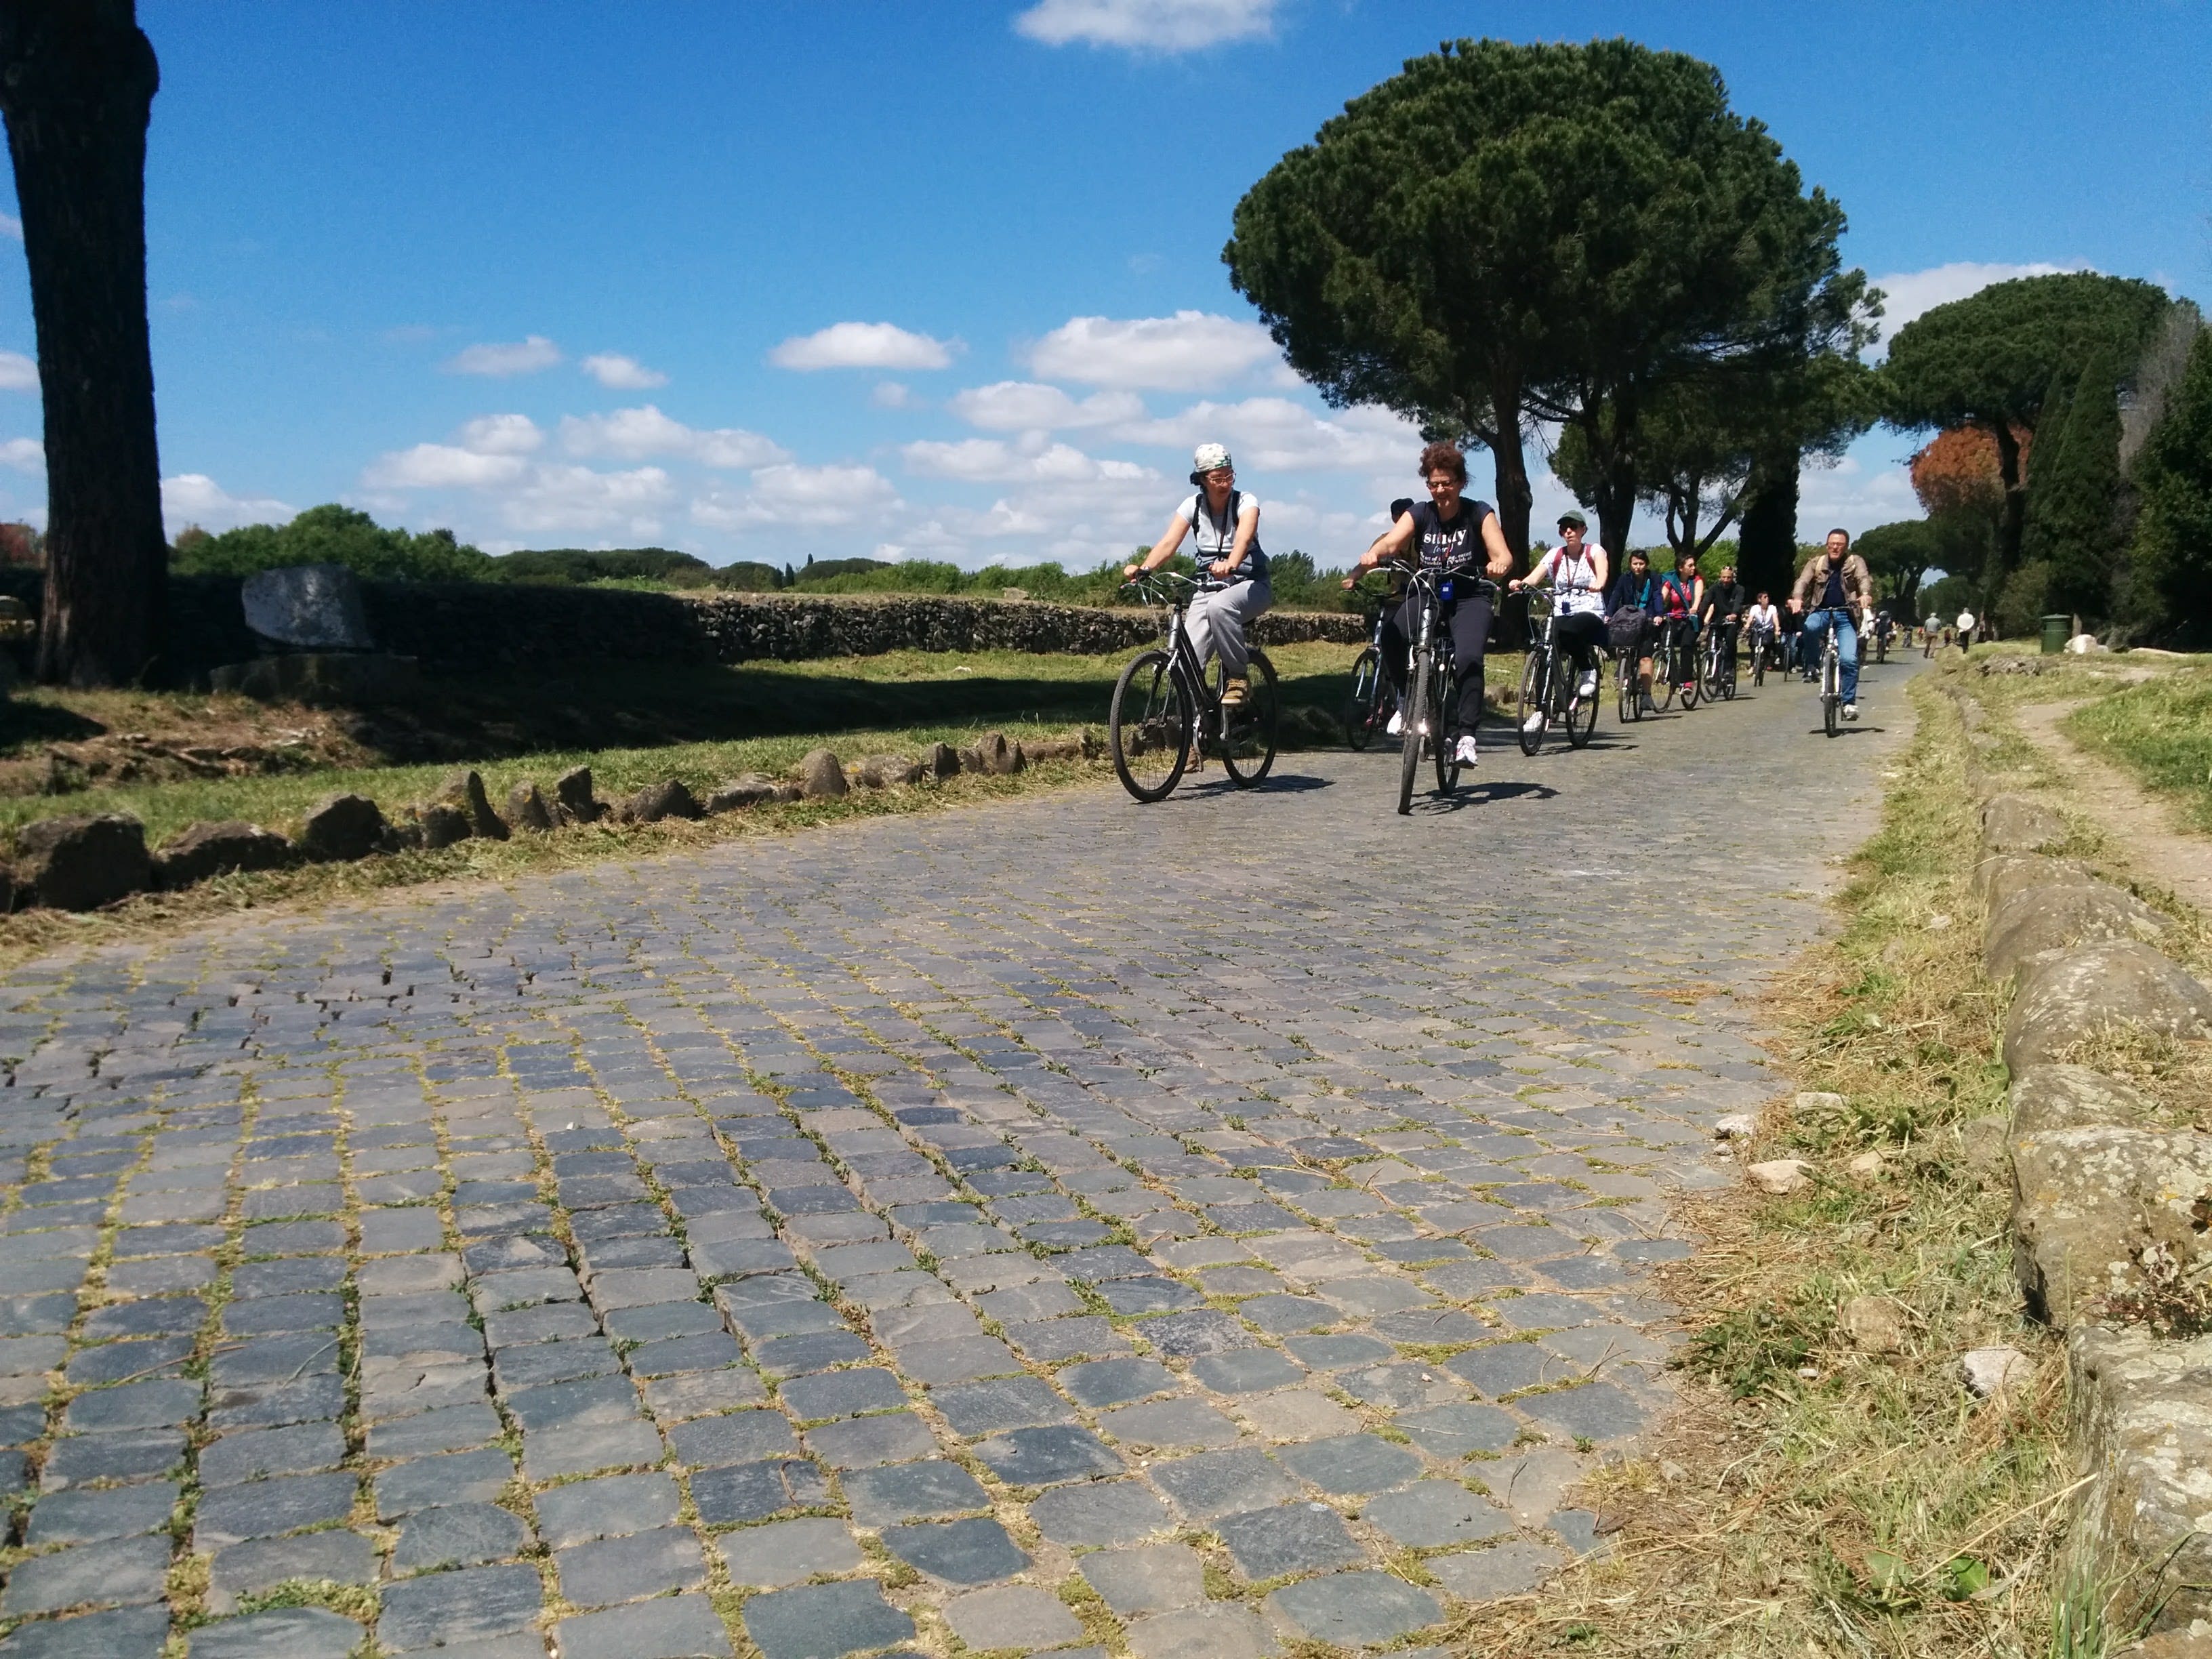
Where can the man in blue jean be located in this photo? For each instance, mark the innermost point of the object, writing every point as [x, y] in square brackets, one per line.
[1831, 589]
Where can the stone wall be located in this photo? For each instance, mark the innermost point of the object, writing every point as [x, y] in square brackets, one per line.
[2112, 1207]
[467, 625]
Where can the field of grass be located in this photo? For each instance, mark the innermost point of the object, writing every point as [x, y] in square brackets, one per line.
[2162, 730]
[1817, 1496]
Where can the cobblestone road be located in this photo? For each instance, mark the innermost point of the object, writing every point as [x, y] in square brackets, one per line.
[1034, 1227]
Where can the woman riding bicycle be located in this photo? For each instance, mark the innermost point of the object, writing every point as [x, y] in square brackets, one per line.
[1762, 625]
[1445, 532]
[1681, 596]
[1576, 572]
[1629, 610]
[1232, 570]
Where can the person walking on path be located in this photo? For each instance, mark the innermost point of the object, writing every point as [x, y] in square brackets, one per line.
[1232, 570]
[1965, 626]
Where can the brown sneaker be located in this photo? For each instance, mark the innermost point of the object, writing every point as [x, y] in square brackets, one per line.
[1233, 694]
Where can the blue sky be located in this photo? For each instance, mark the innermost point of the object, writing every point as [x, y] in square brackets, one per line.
[796, 278]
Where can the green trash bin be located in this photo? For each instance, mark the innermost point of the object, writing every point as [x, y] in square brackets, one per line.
[2056, 631]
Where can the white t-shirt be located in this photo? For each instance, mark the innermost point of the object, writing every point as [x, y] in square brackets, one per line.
[1966, 621]
[1574, 580]
[1766, 616]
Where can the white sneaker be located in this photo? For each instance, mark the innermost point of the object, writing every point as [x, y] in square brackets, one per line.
[1397, 726]
[1587, 686]
[1534, 723]
[1850, 711]
[1465, 755]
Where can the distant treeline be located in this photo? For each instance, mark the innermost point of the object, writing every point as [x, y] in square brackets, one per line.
[340, 535]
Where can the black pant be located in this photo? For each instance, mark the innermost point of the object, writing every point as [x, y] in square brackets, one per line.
[1581, 636]
[1469, 619]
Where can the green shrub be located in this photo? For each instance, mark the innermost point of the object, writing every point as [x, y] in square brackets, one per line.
[333, 534]
[568, 566]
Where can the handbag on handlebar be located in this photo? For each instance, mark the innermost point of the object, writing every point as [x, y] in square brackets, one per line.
[1624, 629]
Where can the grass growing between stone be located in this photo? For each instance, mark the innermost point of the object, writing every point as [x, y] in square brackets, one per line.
[1820, 1494]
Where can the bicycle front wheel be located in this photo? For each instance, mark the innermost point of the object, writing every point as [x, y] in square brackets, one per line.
[1536, 699]
[1148, 726]
[1581, 716]
[1831, 699]
[1662, 679]
[1417, 720]
[1247, 741]
[1442, 694]
[1362, 709]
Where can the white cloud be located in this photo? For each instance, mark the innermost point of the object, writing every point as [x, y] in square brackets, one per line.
[195, 498]
[1190, 351]
[991, 460]
[1275, 434]
[11, 227]
[621, 374]
[501, 435]
[1147, 25]
[18, 373]
[574, 499]
[1026, 406]
[1909, 293]
[863, 345]
[891, 394]
[24, 454]
[441, 466]
[633, 433]
[816, 497]
[501, 360]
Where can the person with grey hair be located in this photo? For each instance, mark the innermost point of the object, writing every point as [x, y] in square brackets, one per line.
[1232, 570]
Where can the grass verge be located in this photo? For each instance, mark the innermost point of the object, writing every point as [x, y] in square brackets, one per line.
[2161, 731]
[1814, 1496]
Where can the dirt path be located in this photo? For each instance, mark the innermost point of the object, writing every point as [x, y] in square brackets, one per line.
[2141, 826]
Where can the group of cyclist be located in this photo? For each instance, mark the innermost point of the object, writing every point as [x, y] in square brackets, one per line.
[1632, 611]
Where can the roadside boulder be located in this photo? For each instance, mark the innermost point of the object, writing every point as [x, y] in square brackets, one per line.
[2020, 824]
[1779, 1174]
[2101, 1211]
[2064, 913]
[750, 790]
[526, 808]
[992, 754]
[572, 794]
[668, 798]
[2000, 877]
[342, 828]
[2099, 990]
[820, 776]
[887, 772]
[443, 825]
[83, 863]
[201, 850]
[943, 761]
[1874, 1324]
[465, 790]
[2058, 1096]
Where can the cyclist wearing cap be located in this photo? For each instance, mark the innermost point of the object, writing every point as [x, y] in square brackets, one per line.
[1450, 532]
[1231, 569]
[1577, 571]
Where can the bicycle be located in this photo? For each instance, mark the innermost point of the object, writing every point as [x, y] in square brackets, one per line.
[1762, 642]
[1429, 680]
[1628, 685]
[1832, 670]
[1547, 688]
[1665, 677]
[1367, 710]
[1167, 708]
[1717, 668]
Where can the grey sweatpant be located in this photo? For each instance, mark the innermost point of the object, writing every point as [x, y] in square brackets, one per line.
[1217, 621]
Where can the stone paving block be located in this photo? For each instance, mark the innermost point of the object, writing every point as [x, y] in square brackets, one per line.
[241, 1570]
[609, 1507]
[737, 1438]
[124, 1633]
[610, 1570]
[1594, 1410]
[1217, 1631]
[1297, 1537]
[75, 1460]
[251, 1454]
[860, 1443]
[1503, 1569]
[586, 1448]
[263, 1508]
[1353, 1608]
[1047, 1456]
[1247, 1372]
[89, 1516]
[1101, 1513]
[1115, 1382]
[1087, 1337]
[445, 1608]
[1154, 1578]
[1170, 1425]
[912, 1492]
[842, 1394]
[975, 1550]
[1014, 1403]
[1013, 1616]
[1430, 1513]
[281, 1633]
[1460, 1431]
[786, 1552]
[753, 1491]
[824, 1621]
[1223, 1483]
[452, 1428]
[956, 1359]
[468, 1477]
[672, 1627]
[457, 1535]
[116, 1571]
[1353, 1464]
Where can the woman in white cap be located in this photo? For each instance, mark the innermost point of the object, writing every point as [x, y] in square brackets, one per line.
[1231, 569]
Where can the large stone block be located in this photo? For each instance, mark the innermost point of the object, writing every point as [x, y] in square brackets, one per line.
[83, 863]
[2088, 1203]
[464, 792]
[2020, 824]
[2096, 990]
[313, 607]
[2058, 1096]
[201, 850]
[2067, 912]
[343, 827]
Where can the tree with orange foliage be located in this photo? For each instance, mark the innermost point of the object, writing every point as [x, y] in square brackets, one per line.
[1960, 471]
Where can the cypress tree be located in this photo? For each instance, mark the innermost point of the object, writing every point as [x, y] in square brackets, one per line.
[1766, 546]
[2170, 586]
[2073, 495]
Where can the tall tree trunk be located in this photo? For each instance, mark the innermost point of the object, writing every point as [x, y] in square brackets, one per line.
[2012, 520]
[1766, 549]
[1511, 463]
[77, 79]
